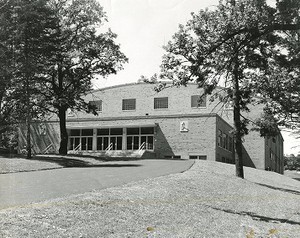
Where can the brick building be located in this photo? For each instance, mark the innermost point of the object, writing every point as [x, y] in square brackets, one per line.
[176, 123]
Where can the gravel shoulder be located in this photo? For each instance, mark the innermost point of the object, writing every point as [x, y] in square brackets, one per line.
[205, 201]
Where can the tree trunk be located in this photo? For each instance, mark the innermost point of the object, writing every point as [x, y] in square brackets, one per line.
[63, 149]
[28, 137]
[28, 117]
[237, 124]
[238, 144]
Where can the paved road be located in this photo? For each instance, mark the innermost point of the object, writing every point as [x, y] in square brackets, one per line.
[27, 187]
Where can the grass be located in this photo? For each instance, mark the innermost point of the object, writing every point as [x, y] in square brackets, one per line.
[18, 163]
[206, 201]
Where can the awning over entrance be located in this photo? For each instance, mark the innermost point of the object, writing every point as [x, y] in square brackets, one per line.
[91, 126]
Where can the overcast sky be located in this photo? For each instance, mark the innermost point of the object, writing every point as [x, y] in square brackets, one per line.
[143, 27]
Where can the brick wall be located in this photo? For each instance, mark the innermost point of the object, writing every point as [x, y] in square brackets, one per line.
[169, 140]
[201, 139]
[179, 101]
[274, 154]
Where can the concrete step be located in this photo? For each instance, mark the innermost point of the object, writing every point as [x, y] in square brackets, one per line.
[129, 154]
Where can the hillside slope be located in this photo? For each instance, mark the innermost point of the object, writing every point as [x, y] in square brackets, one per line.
[205, 201]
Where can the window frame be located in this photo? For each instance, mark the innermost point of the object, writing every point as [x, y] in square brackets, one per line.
[159, 103]
[99, 107]
[126, 104]
[195, 101]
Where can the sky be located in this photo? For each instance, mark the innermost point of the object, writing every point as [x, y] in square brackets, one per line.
[143, 27]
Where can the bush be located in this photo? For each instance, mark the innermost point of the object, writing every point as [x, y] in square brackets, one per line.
[292, 163]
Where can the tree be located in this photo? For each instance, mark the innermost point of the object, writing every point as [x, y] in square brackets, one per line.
[77, 51]
[291, 162]
[282, 84]
[233, 43]
[25, 26]
[6, 59]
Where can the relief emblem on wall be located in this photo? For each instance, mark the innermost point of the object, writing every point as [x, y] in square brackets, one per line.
[184, 126]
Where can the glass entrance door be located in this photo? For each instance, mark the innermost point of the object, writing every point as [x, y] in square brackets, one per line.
[147, 142]
[140, 137]
[116, 142]
[133, 142]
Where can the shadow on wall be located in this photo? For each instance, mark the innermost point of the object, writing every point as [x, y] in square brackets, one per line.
[42, 136]
[247, 161]
[161, 145]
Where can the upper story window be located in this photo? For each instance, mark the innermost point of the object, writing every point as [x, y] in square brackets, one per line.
[198, 101]
[220, 138]
[97, 104]
[128, 104]
[160, 103]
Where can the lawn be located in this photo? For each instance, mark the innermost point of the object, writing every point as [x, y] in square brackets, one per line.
[18, 163]
[205, 201]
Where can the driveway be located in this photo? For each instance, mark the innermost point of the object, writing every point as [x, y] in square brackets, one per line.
[27, 187]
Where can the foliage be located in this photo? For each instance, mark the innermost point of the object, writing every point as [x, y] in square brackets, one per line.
[282, 84]
[9, 138]
[233, 44]
[6, 56]
[77, 51]
[50, 52]
[267, 124]
[23, 26]
[292, 162]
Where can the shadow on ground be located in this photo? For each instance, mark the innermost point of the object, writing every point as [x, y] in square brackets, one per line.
[280, 189]
[259, 217]
[78, 163]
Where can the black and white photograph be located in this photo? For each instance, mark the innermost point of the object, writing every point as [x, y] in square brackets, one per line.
[150, 118]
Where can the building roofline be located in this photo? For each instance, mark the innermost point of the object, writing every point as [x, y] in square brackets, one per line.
[138, 83]
[134, 117]
[117, 86]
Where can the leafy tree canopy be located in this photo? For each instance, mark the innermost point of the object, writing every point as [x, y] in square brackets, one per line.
[235, 43]
[51, 50]
[78, 50]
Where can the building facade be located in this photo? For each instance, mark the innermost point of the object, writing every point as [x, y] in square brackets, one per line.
[176, 123]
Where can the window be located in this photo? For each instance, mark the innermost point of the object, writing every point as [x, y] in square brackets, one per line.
[220, 138]
[97, 104]
[147, 130]
[193, 157]
[198, 101]
[177, 157]
[200, 157]
[109, 139]
[116, 131]
[140, 138]
[87, 132]
[133, 131]
[224, 144]
[81, 139]
[104, 131]
[75, 132]
[160, 103]
[128, 104]
[230, 144]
